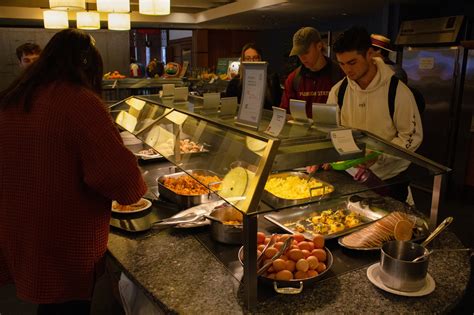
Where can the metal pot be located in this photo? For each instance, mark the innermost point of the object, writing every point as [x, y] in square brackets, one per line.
[398, 271]
[294, 286]
[221, 229]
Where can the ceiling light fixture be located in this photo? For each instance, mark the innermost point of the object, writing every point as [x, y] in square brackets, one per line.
[119, 21]
[67, 4]
[154, 7]
[113, 6]
[88, 20]
[55, 19]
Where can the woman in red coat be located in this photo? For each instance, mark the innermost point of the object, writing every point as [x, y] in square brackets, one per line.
[62, 161]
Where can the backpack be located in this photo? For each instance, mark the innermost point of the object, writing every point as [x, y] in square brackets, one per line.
[392, 90]
[335, 76]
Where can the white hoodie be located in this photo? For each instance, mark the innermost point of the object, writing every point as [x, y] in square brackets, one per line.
[368, 110]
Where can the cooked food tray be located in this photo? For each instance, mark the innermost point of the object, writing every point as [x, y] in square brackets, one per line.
[292, 188]
[332, 219]
[183, 199]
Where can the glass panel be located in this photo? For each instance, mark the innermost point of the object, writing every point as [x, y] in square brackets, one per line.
[222, 146]
[134, 114]
[204, 149]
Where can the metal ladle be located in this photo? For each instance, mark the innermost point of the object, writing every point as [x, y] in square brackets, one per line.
[429, 252]
[438, 230]
[435, 233]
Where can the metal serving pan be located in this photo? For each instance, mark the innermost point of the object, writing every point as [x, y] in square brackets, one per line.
[277, 202]
[294, 286]
[293, 219]
[185, 201]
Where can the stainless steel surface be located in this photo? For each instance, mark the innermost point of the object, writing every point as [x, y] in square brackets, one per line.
[432, 71]
[430, 31]
[435, 200]
[189, 218]
[223, 232]
[285, 218]
[185, 201]
[277, 202]
[398, 271]
[438, 230]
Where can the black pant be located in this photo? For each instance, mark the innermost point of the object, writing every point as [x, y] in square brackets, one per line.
[66, 308]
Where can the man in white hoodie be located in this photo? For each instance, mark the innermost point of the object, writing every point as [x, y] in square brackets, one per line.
[365, 104]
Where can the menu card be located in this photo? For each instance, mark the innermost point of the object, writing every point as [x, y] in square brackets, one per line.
[277, 123]
[343, 141]
[253, 93]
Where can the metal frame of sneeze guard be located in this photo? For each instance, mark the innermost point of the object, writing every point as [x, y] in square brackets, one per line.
[250, 223]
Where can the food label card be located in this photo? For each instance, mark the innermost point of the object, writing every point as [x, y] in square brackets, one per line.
[277, 123]
[343, 141]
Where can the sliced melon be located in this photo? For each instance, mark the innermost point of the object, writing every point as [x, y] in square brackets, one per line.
[255, 144]
[234, 183]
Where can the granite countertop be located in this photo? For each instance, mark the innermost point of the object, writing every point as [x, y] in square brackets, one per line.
[181, 271]
[182, 276]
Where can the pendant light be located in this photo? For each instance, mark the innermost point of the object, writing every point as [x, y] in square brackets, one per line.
[88, 20]
[119, 21]
[67, 4]
[55, 19]
[113, 6]
[154, 7]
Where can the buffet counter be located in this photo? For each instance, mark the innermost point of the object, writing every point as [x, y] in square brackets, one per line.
[176, 270]
[186, 271]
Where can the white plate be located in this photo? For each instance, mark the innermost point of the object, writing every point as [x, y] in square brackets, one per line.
[373, 273]
[148, 205]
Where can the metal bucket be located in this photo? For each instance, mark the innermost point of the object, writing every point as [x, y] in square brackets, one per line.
[398, 271]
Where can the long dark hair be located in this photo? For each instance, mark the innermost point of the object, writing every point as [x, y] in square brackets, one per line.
[70, 56]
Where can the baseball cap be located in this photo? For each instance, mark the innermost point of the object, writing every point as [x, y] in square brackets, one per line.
[303, 39]
[381, 41]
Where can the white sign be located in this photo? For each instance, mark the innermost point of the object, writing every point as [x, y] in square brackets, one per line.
[343, 141]
[228, 106]
[253, 93]
[426, 63]
[211, 101]
[277, 123]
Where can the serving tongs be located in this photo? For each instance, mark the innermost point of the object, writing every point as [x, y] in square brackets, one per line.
[280, 252]
[188, 218]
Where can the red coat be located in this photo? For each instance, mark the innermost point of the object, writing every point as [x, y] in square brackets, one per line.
[60, 166]
[313, 86]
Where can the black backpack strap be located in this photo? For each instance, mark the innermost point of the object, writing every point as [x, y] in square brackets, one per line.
[341, 92]
[297, 79]
[392, 92]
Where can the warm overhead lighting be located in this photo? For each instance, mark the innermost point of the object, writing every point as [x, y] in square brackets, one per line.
[55, 19]
[88, 20]
[67, 4]
[114, 6]
[154, 7]
[119, 21]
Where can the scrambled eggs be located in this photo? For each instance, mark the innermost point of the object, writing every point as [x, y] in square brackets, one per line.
[294, 187]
